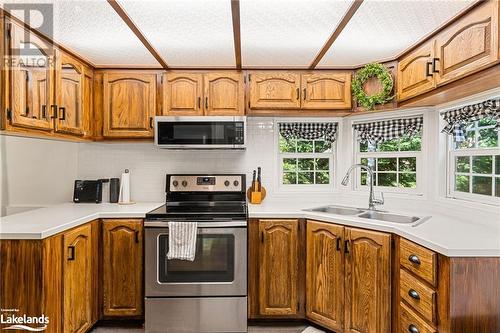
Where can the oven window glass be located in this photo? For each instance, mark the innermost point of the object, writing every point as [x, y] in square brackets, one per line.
[215, 133]
[214, 261]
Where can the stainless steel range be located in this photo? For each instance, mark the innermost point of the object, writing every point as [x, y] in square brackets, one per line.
[208, 294]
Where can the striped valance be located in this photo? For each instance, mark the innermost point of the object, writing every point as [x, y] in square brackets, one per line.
[380, 131]
[309, 131]
[458, 119]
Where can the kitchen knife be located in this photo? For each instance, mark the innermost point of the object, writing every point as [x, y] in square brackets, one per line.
[259, 180]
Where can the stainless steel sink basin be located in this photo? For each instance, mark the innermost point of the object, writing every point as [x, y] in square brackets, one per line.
[339, 210]
[388, 217]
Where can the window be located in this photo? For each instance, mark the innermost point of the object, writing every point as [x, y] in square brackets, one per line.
[395, 162]
[305, 162]
[475, 163]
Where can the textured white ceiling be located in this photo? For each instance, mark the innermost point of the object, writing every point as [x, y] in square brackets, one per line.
[187, 33]
[286, 32]
[94, 30]
[381, 29]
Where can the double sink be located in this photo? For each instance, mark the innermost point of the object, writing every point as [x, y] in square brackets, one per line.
[369, 214]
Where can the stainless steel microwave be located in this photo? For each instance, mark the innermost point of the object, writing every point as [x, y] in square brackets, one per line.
[218, 132]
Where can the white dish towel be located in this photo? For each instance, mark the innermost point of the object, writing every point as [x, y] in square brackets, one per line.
[182, 240]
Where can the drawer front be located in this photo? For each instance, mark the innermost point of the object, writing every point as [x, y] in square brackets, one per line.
[410, 322]
[421, 297]
[418, 260]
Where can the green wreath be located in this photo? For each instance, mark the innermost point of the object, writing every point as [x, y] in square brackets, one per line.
[382, 74]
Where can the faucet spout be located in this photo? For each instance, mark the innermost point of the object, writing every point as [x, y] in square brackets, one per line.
[371, 200]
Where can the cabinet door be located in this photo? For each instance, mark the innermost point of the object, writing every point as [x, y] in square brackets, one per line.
[274, 90]
[122, 261]
[182, 94]
[278, 267]
[69, 90]
[31, 67]
[415, 72]
[367, 281]
[77, 270]
[325, 274]
[129, 104]
[469, 44]
[224, 94]
[326, 91]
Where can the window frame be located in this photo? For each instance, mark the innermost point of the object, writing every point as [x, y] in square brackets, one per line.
[304, 188]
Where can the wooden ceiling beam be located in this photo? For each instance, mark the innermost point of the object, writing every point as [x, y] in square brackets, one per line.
[336, 33]
[128, 21]
[235, 10]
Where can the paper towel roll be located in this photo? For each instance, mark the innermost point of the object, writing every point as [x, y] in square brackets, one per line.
[125, 188]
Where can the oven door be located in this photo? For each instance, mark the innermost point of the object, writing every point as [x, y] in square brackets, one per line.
[219, 268]
[200, 132]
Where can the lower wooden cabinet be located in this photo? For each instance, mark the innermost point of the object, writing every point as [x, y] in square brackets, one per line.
[122, 267]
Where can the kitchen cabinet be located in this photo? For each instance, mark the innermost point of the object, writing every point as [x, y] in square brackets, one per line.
[326, 91]
[31, 77]
[122, 260]
[129, 104]
[70, 81]
[274, 90]
[198, 94]
[415, 72]
[325, 274]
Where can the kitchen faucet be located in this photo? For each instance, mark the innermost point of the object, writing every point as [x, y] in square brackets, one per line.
[371, 200]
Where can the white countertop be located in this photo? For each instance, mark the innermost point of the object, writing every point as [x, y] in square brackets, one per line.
[450, 236]
[44, 222]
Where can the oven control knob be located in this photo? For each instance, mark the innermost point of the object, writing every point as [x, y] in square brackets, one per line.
[226, 183]
[236, 183]
[184, 183]
[175, 183]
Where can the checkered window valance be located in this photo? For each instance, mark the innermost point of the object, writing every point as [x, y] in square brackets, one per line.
[309, 131]
[380, 131]
[458, 119]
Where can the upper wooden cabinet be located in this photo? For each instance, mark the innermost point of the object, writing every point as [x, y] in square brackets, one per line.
[31, 80]
[326, 91]
[415, 72]
[325, 275]
[122, 258]
[276, 90]
[69, 95]
[129, 104]
[198, 94]
[469, 44]
[278, 267]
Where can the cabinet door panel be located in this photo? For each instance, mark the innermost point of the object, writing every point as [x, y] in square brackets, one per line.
[274, 91]
[367, 281]
[326, 91]
[77, 269]
[469, 44]
[224, 94]
[122, 260]
[415, 75]
[278, 267]
[129, 104]
[182, 94]
[31, 78]
[325, 274]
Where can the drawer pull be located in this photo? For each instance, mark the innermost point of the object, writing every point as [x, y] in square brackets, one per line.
[413, 294]
[414, 259]
[413, 329]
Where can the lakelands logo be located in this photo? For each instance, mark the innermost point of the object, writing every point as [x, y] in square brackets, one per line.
[23, 322]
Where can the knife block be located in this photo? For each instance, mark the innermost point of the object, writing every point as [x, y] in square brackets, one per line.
[256, 197]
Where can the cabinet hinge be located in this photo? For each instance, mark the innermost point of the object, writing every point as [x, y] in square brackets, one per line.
[9, 114]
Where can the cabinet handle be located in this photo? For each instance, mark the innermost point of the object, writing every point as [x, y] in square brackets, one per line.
[413, 294]
[346, 247]
[54, 109]
[434, 67]
[428, 69]
[206, 103]
[199, 102]
[413, 329]
[414, 259]
[137, 237]
[71, 255]
[338, 243]
[305, 93]
[150, 122]
[27, 111]
[298, 93]
[262, 237]
[44, 111]
[63, 110]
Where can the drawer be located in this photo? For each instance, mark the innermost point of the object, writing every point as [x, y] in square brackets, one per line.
[410, 322]
[418, 260]
[419, 296]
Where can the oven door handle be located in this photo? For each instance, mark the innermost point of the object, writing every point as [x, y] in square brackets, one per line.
[215, 224]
